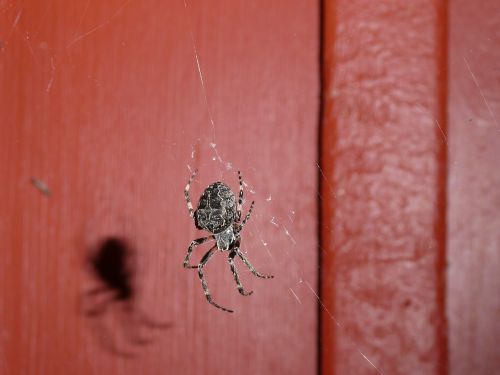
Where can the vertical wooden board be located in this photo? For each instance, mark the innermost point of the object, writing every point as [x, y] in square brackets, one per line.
[474, 188]
[383, 179]
[109, 104]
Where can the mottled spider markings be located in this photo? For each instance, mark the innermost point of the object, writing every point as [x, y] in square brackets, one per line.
[219, 214]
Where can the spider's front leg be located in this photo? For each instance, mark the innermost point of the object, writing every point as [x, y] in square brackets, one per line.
[250, 267]
[197, 242]
[204, 285]
[242, 291]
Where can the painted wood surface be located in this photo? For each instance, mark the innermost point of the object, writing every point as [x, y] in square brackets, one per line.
[104, 108]
[383, 187]
[474, 188]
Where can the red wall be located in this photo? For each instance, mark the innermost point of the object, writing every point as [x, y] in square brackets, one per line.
[103, 101]
[384, 160]
[474, 188]
[409, 223]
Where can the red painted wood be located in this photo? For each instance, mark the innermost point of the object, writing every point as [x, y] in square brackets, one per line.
[104, 104]
[473, 188]
[383, 211]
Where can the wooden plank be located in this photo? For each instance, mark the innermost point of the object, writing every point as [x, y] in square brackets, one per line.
[473, 188]
[383, 165]
[107, 104]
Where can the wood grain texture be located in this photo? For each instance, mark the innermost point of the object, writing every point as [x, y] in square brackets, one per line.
[383, 160]
[104, 103]
[474, 188]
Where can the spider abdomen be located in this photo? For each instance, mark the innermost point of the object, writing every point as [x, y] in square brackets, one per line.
[216, 209]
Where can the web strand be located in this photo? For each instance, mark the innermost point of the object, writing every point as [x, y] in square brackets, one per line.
[202, 80]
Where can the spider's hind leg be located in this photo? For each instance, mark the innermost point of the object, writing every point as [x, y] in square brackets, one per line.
[236, 275]
[240, 227]
[240, 196]
[186, 194]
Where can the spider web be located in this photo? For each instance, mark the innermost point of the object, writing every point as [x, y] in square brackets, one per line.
[283, 224]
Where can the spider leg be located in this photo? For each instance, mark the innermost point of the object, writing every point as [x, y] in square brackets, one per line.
[240, 197]
[186, 193]
[250, 267]
[242, 291]
[202, 264]
[197, 242]
[246, 217]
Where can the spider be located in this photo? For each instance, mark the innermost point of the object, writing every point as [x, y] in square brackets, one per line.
[219, 214]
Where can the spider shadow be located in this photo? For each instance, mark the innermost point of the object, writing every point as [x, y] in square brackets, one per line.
[113, 307]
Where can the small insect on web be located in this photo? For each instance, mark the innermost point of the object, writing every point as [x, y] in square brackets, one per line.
[219, 214]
